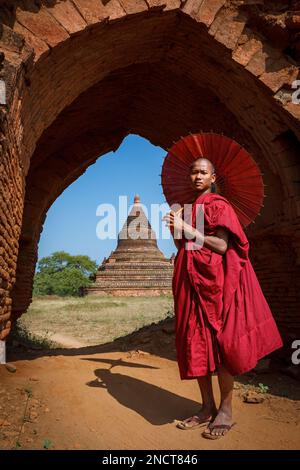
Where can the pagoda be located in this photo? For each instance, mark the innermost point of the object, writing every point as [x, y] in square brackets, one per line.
[137, 266]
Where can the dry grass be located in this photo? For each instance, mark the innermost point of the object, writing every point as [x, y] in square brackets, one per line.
[93, 320]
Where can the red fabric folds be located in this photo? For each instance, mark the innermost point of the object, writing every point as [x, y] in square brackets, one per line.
[221, 313]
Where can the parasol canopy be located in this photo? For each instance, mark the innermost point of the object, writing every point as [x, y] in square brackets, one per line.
[238, 177]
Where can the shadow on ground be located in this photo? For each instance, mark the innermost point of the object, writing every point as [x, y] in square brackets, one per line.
[158, 339]
[143, 397]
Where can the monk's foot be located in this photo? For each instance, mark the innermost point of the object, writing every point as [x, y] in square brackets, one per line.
[220, 425]
[202, 418]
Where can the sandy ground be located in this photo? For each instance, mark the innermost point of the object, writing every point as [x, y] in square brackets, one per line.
[111, 398]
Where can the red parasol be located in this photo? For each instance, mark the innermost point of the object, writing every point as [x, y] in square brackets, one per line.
[238, 177]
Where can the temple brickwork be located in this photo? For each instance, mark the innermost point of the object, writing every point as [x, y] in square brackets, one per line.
[137, 266]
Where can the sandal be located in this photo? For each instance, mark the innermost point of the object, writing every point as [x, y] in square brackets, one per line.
[209, 435]
[186, 424]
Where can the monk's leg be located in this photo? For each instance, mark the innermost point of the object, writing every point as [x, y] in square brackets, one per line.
[224, 416]
[208, 410]
[207, 394]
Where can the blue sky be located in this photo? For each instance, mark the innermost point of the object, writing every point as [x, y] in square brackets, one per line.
[71, 221]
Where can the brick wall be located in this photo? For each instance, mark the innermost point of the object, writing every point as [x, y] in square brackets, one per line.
[82, 74]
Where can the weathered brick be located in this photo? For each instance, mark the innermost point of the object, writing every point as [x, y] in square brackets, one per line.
[5, 331]
[114, 10]
[283, 73]
[229, 27]
[68, 16]
[293, 109]
[92, 11]
[209, 10]
[258, 64]
[191, 7]
[245, 51]
[38, 45]
[10, 39]
[44, 26]
[164, 4]
[133, 6]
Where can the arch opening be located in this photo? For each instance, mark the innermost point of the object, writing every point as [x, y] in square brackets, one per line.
[159, 74]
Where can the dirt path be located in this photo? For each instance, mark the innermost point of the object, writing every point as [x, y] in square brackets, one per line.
[125, 400]
[66, 341]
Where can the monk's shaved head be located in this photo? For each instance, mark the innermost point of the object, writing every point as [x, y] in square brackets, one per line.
[204, 159]
[203, 175]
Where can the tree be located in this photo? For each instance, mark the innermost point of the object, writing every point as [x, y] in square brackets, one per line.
[63, 274]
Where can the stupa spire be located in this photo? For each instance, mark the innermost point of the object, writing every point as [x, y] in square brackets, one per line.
[137, 266]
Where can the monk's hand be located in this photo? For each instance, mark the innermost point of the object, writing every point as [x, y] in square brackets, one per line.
[174, 220]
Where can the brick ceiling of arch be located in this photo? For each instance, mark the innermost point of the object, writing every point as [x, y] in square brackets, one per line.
[82, 74]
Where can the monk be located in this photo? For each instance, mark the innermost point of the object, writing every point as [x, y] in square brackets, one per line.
[223, 322]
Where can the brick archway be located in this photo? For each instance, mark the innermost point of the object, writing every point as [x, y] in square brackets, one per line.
[81, 75]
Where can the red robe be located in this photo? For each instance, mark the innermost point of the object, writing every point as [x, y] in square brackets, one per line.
[222, 316]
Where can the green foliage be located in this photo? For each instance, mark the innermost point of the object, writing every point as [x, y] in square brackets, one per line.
[47, 444]
[263, 388]
[63, 274]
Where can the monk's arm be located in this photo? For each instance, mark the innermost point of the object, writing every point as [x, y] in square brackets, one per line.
[217, 243]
